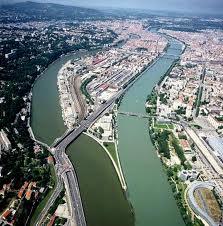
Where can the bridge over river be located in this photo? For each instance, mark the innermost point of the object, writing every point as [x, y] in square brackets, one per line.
[138, 115]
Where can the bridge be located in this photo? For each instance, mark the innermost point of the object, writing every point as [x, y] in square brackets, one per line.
[170, 56]
[138, 115]
[172, 48]
[70, 136]
[68, 174]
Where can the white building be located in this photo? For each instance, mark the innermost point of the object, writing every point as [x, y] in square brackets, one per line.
[5, 144]
[188, 175]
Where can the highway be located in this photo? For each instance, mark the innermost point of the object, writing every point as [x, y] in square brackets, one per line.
[65, 140]
[65, 170]
[66, 173]
[75, 195]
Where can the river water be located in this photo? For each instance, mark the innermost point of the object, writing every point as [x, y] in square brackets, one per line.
[46, 115]
[148, 189]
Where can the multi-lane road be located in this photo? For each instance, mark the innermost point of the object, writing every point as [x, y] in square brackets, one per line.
[66, 173]
[67, 138]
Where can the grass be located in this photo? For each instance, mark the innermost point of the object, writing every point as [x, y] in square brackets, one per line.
[111, 149]
[163, 126]
[43, 202]
[211, 203]
[84, 88]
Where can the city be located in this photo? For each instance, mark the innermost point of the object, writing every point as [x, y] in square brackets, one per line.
[100, 108]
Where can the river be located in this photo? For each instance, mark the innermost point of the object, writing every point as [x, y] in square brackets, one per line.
[46, 115]
[148, 188]
[103, 200]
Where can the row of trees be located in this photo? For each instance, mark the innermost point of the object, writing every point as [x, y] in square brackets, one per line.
[179, 151]
[163, 143]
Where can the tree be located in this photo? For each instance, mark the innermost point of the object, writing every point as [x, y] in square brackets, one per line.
[100, 129]
[169, 172]
[194, 158]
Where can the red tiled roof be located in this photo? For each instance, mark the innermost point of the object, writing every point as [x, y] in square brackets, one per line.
[6, 214]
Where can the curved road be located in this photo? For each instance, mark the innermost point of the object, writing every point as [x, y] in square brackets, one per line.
[193, 204]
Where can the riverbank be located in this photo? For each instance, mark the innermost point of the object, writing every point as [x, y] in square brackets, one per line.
[68, 103]
[29, 123]
[168, 150]
[45, 101]
[48, 130]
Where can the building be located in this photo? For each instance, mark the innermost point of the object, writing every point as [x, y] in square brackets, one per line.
[10, 55]
[6, 214]
[52, 220]
[185, 145]
[22, 189]
[50, 160]
[216, 144]
[214, 122]
[5, 144]
[188, 175]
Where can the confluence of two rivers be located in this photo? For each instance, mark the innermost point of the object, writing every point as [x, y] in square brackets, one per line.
[104, 201]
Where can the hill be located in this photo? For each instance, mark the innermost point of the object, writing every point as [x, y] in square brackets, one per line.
[25, 11]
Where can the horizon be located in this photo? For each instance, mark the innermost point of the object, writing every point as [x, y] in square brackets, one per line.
[213, 7]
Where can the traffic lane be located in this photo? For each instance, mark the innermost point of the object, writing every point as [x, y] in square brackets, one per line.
[76, 199]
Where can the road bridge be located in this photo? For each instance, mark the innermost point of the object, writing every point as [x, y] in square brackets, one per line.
[171, 48]
[66, 172]
[70, 136]
[170, 56]
[138, 115]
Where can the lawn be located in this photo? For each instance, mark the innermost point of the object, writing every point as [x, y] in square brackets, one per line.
[42, 204]
[163, 126]
[211, 203]
[84, 88]
[111, 149]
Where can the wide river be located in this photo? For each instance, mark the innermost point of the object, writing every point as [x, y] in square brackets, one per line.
[148, 188]
[103, 199]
